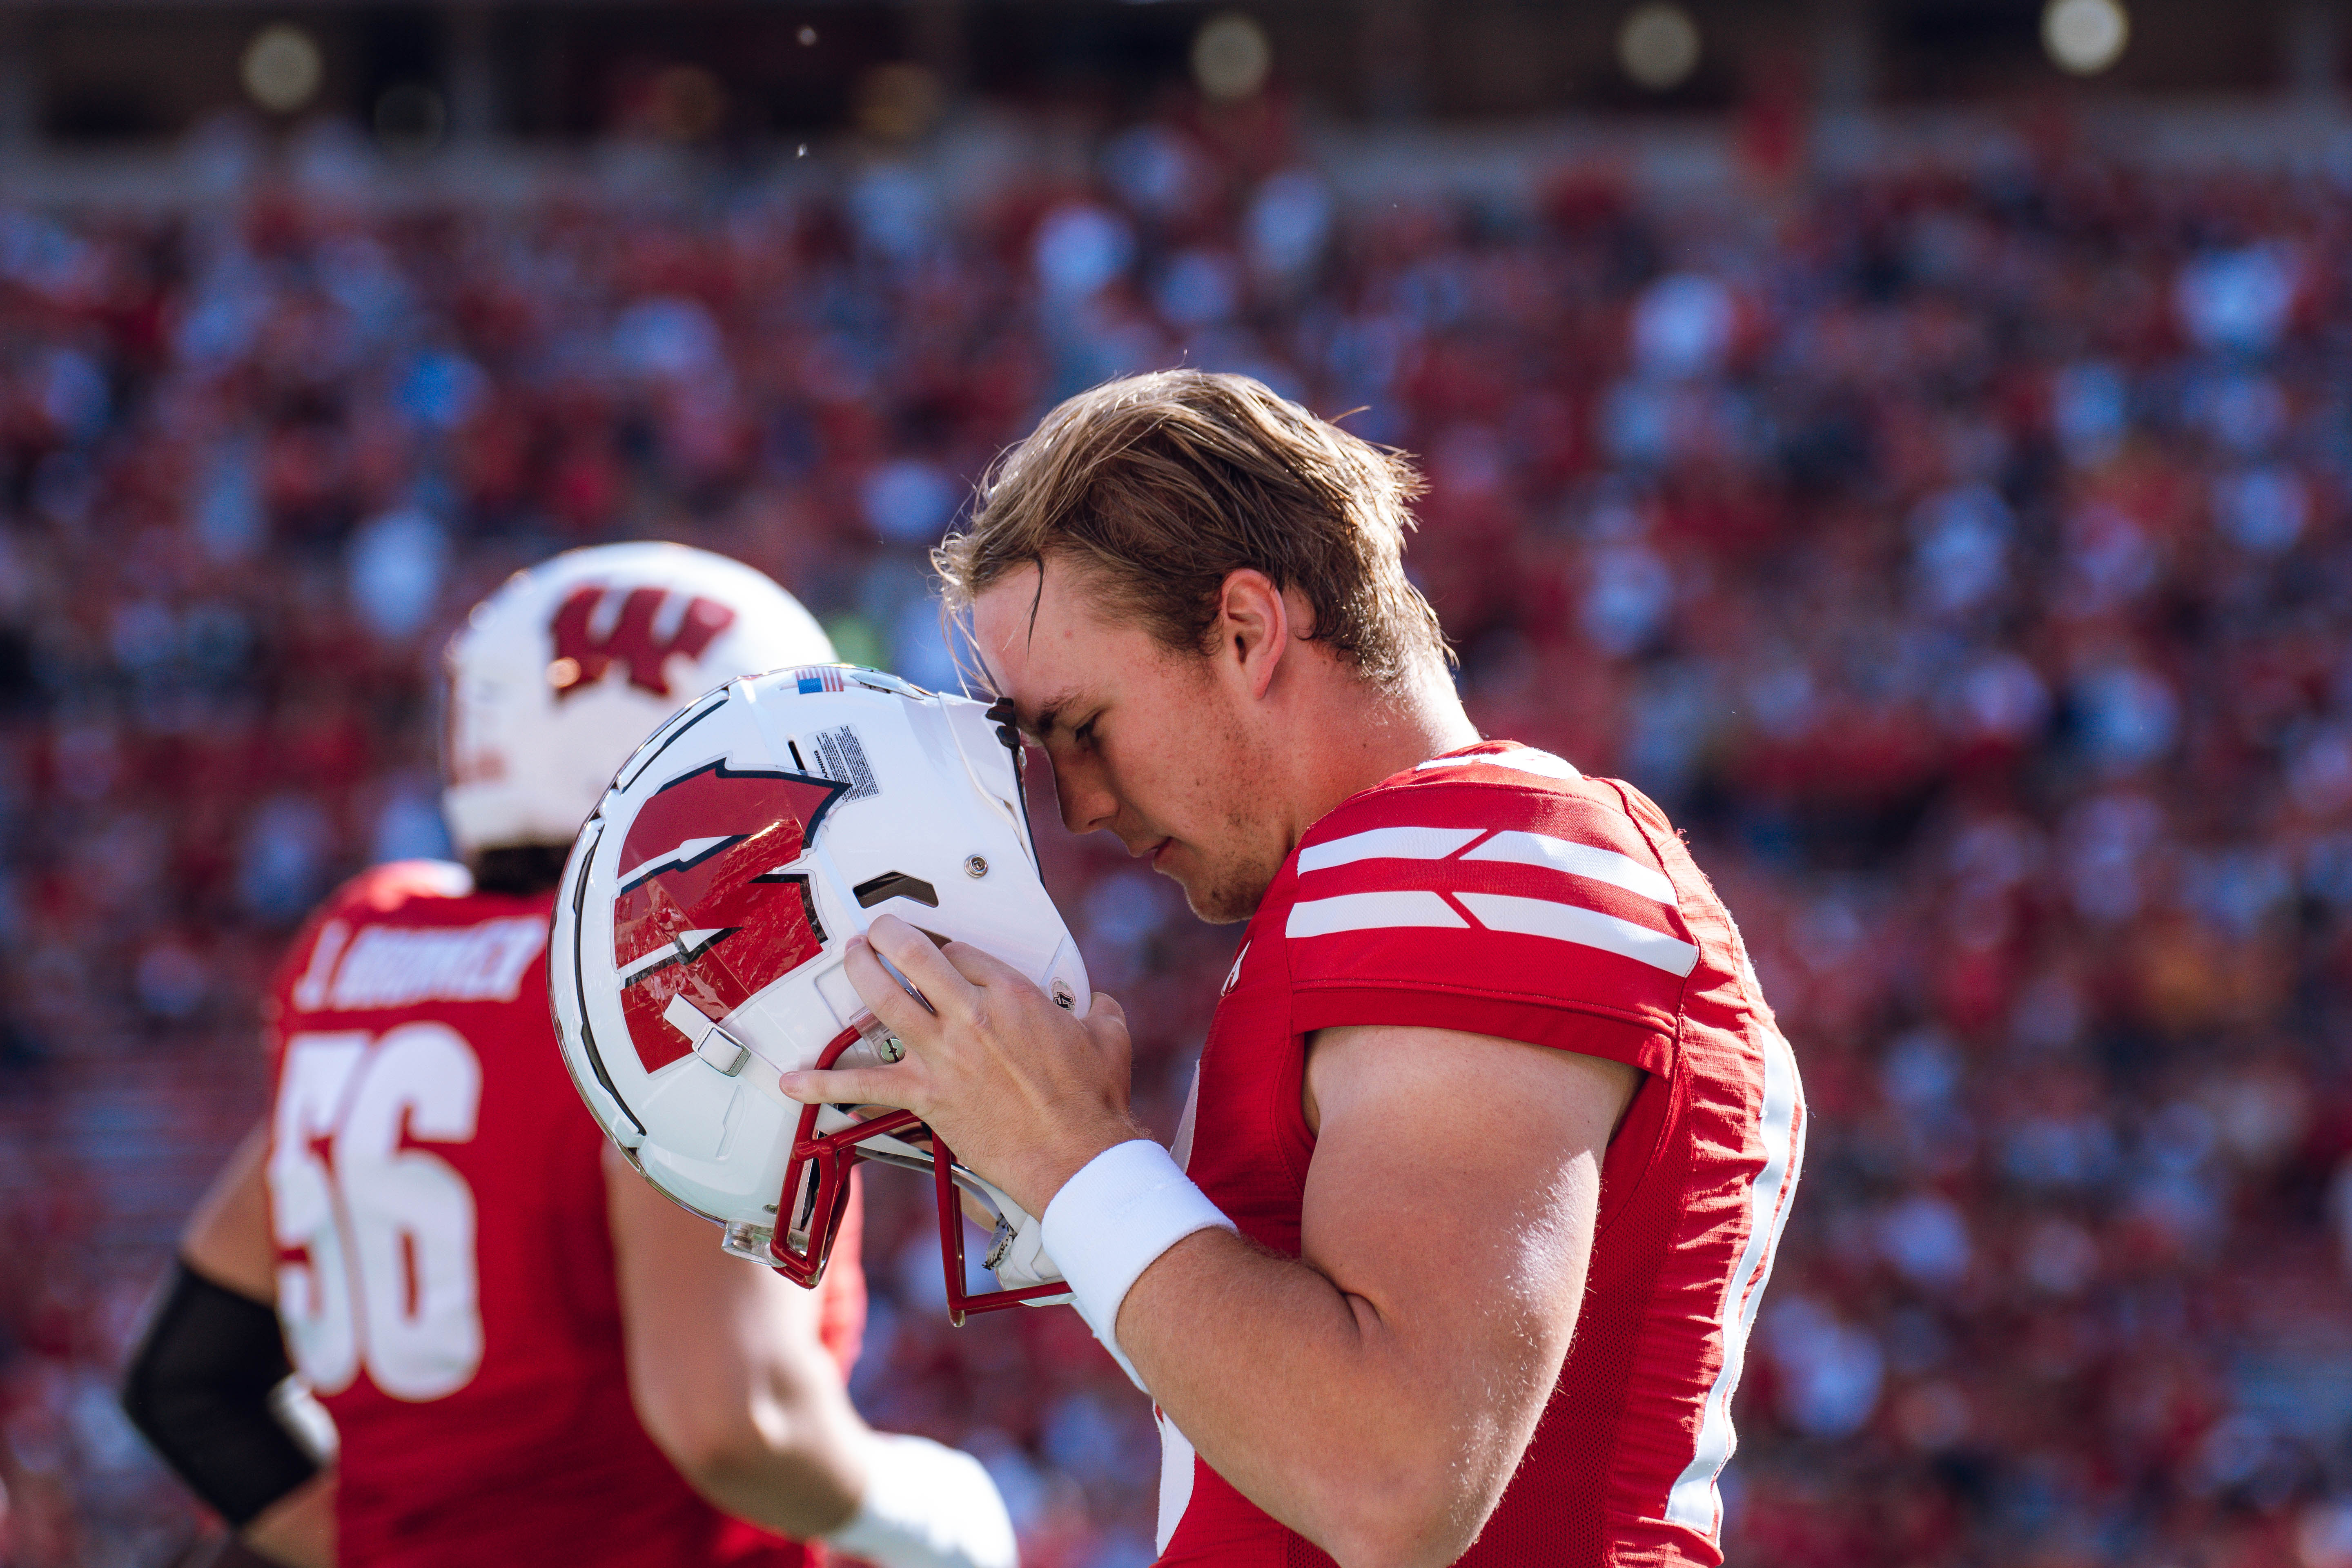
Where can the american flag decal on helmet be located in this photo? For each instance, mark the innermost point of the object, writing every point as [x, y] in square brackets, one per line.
[817, 678]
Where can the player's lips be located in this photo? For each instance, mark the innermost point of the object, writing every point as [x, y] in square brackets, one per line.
[1146, 849]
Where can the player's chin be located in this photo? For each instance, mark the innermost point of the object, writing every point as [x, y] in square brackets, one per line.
[1219, 900]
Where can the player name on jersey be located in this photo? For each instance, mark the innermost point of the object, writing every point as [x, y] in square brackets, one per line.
[381, 966]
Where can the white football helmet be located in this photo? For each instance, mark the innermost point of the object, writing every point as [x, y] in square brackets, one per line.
[702, 924]
[555, 676]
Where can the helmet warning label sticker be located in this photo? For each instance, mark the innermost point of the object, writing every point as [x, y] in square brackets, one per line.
[840, 757]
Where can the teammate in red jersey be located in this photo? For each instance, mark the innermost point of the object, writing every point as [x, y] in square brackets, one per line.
[1492, 1099]
[528, 1356]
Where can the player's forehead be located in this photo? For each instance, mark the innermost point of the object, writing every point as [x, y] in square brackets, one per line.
[1042, 642]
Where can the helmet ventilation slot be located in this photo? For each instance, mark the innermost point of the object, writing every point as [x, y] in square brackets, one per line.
[895, 885]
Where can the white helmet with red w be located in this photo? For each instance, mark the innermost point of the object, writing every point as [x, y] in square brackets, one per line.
[703, 920]
[570, 664]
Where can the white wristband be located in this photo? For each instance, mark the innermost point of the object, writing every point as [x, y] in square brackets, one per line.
[1112, 1220]
[926, 1506]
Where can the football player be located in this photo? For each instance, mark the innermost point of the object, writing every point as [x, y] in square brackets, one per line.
[1470, 1211]
[527, 1354]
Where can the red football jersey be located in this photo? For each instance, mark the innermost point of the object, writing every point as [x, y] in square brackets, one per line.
[1499, 891]
[446, 1274]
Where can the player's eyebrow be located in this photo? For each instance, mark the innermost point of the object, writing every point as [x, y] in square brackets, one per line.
[1051, 713]
[1006, 708]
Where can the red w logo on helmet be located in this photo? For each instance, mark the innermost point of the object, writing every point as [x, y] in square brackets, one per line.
[635, 637]
[706, 911]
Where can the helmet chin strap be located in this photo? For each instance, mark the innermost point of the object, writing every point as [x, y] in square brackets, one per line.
[945, 1175]
[817, 1193]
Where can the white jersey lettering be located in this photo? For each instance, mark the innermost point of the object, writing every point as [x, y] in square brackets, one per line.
[394, 966]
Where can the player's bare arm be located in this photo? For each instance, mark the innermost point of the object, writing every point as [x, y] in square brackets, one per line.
[227, 1239]
[227, 1246]
[728, 1373]
[1401, 1410]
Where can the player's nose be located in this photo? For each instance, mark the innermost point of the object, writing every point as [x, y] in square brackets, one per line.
[1087, 801]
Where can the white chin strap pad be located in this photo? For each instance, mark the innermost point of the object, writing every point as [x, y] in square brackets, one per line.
[1021, 1262]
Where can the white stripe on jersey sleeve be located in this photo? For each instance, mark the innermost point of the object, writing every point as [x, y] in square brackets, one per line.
[1581, 859]
[1386, 844]
[1369, 911]
[1176, 1477]
[1522, 759]
[1588, 928]
[1695, 1502]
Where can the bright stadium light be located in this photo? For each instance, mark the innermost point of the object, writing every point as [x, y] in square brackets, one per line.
[1230, 56]
[1658, 46]
[282, 67]
[2085, 36]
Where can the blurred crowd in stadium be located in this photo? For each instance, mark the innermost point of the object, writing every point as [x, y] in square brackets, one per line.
[1961, 557]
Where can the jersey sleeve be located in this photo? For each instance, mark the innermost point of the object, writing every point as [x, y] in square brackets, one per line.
[1529, 910]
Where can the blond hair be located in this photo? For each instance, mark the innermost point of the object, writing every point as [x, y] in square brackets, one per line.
[1158, 485]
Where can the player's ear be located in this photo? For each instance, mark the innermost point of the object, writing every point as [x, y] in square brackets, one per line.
[1253, 628]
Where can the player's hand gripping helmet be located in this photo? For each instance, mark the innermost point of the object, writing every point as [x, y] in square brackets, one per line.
[701, 928]
[570, 664]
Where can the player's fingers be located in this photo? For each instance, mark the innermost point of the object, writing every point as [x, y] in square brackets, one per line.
[1106, 1025]
[979, 966]
[917, 958]
[889, 1086]
[892, 1001]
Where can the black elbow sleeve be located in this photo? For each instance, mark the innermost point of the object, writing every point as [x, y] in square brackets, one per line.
[199, 1388]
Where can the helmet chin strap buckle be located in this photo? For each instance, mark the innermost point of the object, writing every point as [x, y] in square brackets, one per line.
[712, 1043]
[723, 1051]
